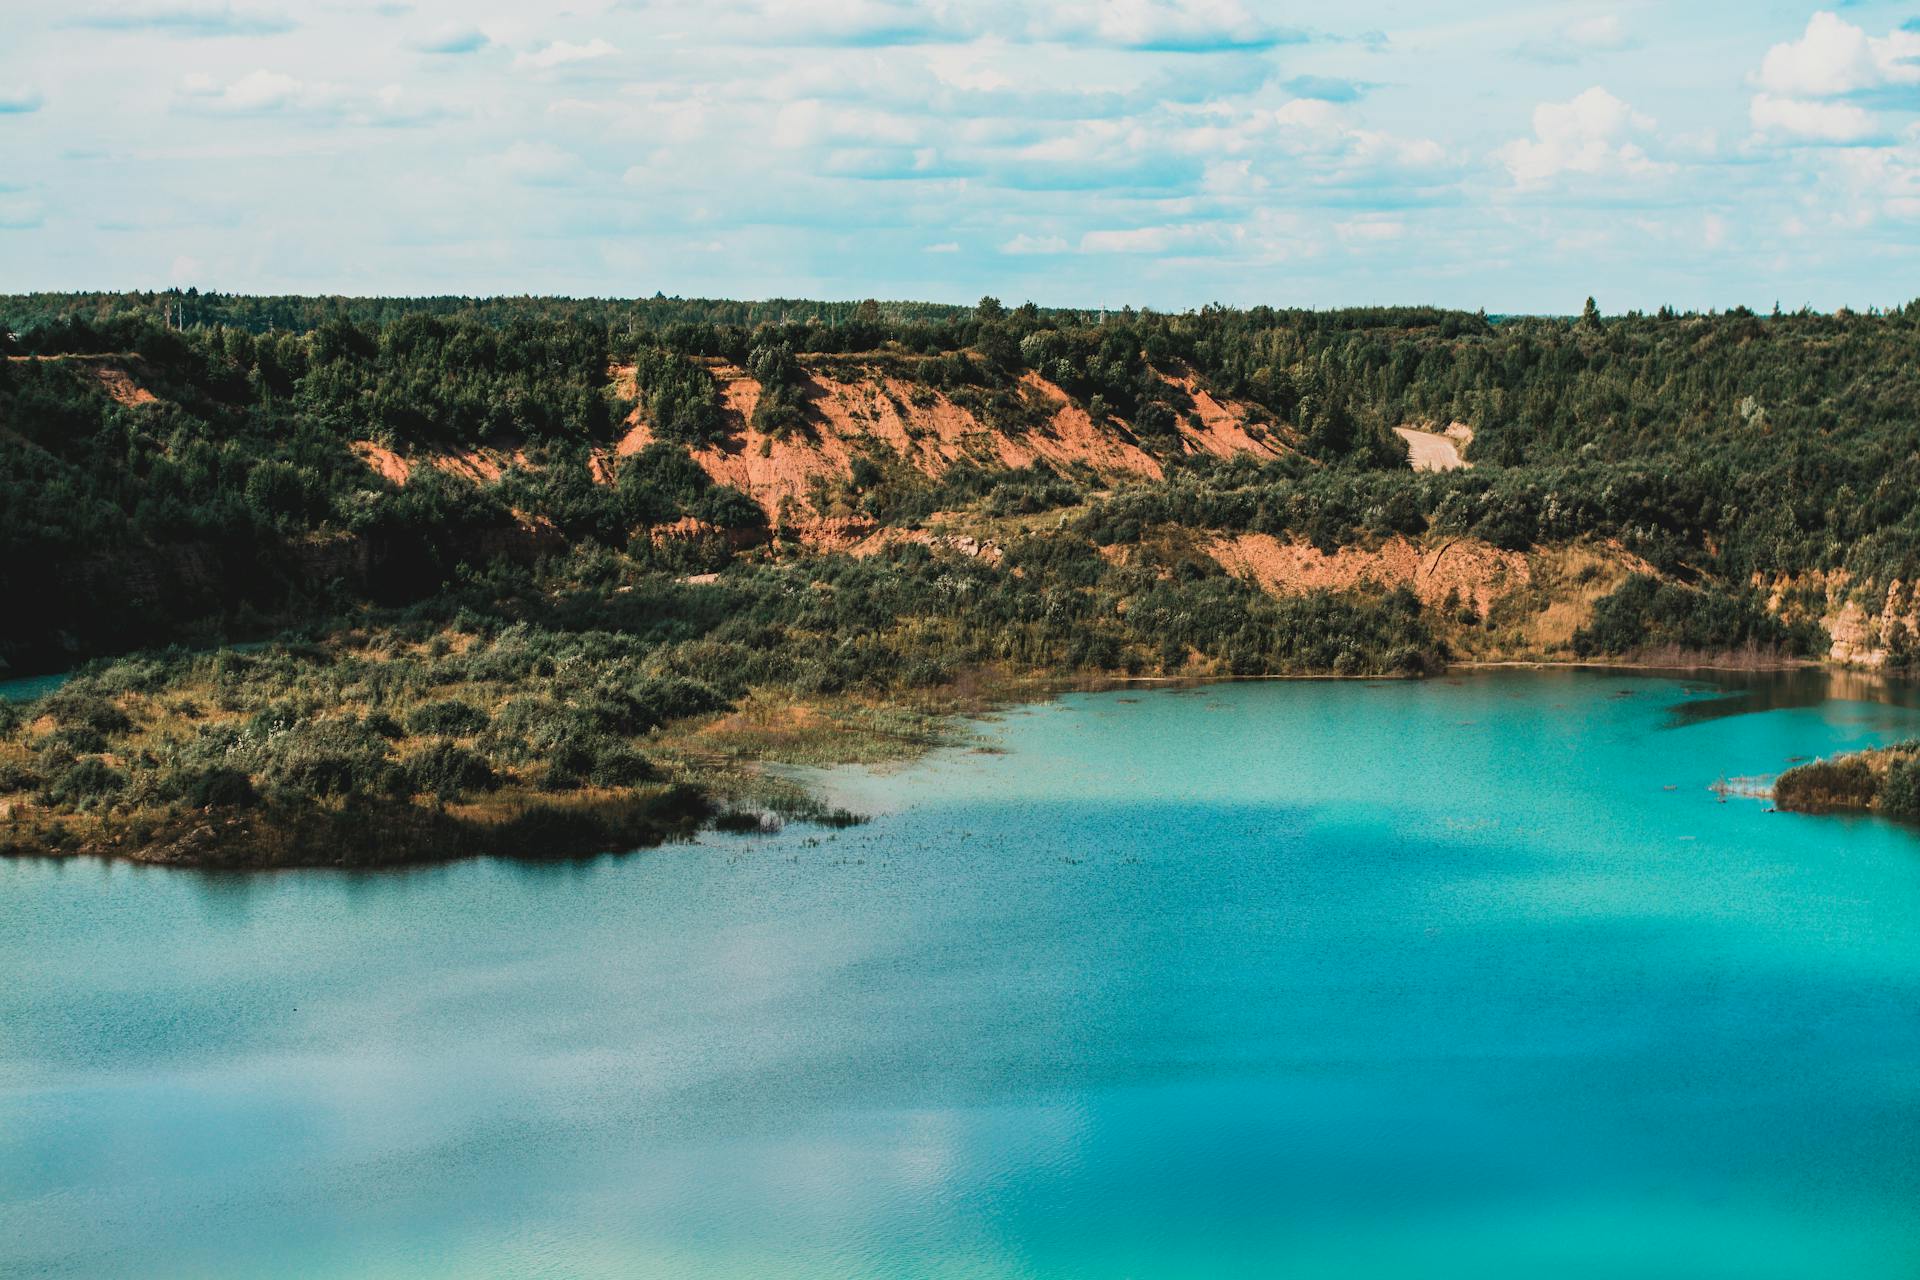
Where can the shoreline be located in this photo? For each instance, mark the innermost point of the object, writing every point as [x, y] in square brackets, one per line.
[732, 778]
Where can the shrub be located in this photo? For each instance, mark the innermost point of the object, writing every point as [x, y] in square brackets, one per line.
[447, 770]
[14, 777]
[1900, 793]
[62, 745]
[85, 783]
[1646, 613]
[449, 719]
[600, 762]
[385, 725]
[219, 788]
[1827, 784]
[323, 758]
[617, 765]
[80, 709]
[529, 726]
[676, 697]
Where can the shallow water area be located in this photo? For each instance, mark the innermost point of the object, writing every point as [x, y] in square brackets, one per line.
[1475, 976]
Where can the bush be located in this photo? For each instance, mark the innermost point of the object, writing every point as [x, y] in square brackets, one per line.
[14, 777]
[219, 788]
[449, 719]
[386, 726]
[529, 726]
[616, 765]
[1846, 783]
[599, 762]
[62, 745]
[78, 709]
[85, 783]
[449, 771]
[1900, 793]
[322, 758]
[1648, 613]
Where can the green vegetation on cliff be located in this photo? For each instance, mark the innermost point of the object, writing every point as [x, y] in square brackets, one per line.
[216, 465]
[531, 552]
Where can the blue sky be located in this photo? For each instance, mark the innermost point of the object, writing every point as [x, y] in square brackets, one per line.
[1170, 153]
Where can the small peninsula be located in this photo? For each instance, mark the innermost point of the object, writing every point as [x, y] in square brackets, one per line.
[1883, 780]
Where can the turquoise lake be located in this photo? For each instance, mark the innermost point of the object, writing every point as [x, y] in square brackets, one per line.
[1471, 977]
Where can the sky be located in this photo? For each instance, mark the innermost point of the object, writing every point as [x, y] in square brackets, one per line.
[1505, 156]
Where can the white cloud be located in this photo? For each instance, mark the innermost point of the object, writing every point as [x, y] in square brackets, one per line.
[969, 67]
[1371, 229]
[811, 123]
[1313, 114]
[1834, 57]
[254, 92]
[1303, 144]
[452, 38]
[263, 93]
[893, 143]
[20, 212]
[562, 52]
[1811, 121]
[1590, 134]
[1146, 239]
[849, 23]
[1881, 181]
[182, 18]
[534, 164]
[1028, 244]
[1162, 26]
[1177, 25]
[21, 100]
[1602, 33]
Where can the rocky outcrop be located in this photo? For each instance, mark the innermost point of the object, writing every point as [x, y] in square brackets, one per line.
[1868, 628]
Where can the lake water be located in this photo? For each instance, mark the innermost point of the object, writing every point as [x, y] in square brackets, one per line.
[1472, 977]
[27, 688]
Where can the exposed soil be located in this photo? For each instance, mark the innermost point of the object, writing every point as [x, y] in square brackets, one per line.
[383, 460]
[483, 466]
[1472, 572]
[855, 411]
[858, 411]
[121, 386]
[1227, 428]
[1437, 450]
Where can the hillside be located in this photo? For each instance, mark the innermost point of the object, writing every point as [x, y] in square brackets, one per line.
[680, 538]
[217, 476]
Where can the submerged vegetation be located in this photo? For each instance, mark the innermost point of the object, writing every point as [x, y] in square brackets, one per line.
[551, 575]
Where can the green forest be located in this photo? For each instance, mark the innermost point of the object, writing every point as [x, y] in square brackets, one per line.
[183, 471]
